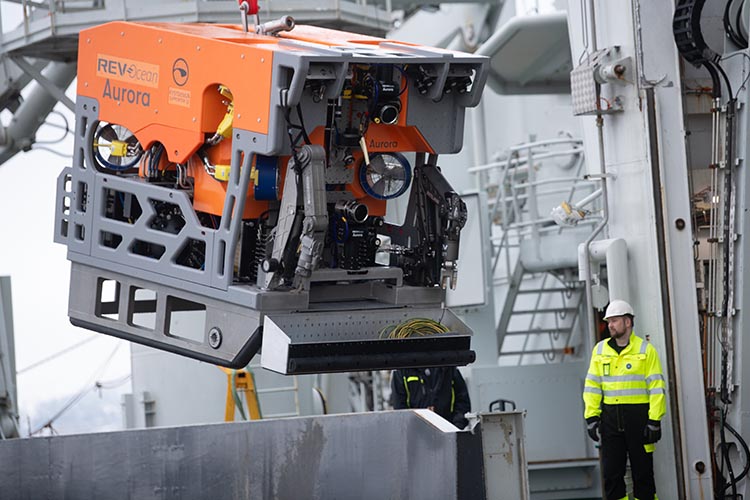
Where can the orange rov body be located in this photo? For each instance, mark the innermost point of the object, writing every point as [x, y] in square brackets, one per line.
[162, 81]
[242, 178]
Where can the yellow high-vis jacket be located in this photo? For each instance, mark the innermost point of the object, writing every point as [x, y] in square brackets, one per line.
[631, 377]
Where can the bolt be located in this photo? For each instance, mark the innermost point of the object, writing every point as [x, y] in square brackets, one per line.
[214, 337]
[619, 70]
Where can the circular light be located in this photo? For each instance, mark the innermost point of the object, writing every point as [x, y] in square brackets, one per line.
[115, 147]
[389, 114]
[387, 176]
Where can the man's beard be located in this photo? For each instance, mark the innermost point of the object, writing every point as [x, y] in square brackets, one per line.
[617, 335]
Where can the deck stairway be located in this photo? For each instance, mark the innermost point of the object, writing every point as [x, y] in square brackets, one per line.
[534, 260]
[539, 314]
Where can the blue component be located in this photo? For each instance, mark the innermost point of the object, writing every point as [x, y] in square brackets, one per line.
[267, 187]
[386, 177]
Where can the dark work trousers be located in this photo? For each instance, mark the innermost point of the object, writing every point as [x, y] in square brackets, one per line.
[622, 436]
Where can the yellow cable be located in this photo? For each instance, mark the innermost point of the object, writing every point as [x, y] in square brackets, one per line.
[415, 327]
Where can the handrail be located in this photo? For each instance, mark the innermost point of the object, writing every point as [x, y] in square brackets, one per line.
[514, 203]
[523, 160]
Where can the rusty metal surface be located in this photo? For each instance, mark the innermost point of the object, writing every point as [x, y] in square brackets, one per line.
[506, 473]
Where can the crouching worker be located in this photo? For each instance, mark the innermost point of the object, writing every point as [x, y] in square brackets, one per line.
[442, 390]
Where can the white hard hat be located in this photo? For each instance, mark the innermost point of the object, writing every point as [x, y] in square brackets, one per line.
[618, 308]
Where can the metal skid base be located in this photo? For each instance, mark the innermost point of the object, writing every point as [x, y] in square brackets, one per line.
[335, 337]
[403, 454]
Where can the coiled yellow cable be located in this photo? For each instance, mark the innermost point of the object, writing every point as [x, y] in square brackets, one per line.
[416, 327]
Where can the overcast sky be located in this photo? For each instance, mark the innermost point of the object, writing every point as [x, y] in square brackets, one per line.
[39, 274]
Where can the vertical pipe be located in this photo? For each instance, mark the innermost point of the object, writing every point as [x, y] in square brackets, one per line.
[592, 24]
[598, 229]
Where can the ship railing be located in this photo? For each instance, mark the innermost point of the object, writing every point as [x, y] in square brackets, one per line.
[515, 187]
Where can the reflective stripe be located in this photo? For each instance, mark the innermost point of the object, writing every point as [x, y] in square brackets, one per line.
[593, 390]
[653, 378]
[412, 379]
[624, 378]
[657, 390]
[453, 395]
[644, 345]
[627, 392]
[600, 347]
[408, 394]
[594, 378]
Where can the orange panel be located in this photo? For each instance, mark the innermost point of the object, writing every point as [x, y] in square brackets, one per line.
[161, 82]
[143, 74]
[209, 194]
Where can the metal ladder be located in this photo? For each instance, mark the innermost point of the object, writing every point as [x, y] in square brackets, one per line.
[556, 304]
[276, 396]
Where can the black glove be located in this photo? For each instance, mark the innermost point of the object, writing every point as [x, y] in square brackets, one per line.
[460, 421]
[652, 432]
[592, 427]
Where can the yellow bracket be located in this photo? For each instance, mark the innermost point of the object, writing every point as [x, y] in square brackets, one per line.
[221, 172]
[224, 90]
[116, 148]
[225, 127]
[241, 382]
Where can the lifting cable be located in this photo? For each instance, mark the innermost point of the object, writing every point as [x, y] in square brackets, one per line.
[90, 385]
[56, 355]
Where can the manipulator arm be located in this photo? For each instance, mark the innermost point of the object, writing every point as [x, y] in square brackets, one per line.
[428, 242]
[303, 229]
[454, 220]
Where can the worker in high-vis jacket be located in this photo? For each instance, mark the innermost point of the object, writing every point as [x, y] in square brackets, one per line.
[442, 390]
[625, 399]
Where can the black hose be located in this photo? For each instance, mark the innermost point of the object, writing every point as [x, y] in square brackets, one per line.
[725, 458]
[716, 92]
[738, 22]
[726, 79]
[736, 39]
[745, 448]
[302, 124]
